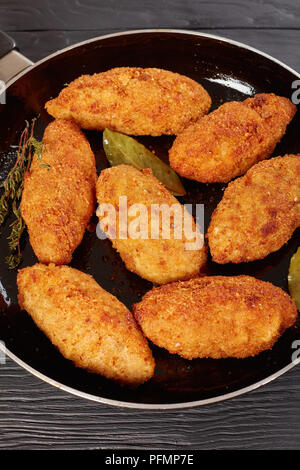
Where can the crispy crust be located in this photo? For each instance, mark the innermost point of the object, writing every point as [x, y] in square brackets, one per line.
[158, 260]
[227, 142]
[87, 324]
[57, 203]
[132, 100]
[258, 212]
[215, 316]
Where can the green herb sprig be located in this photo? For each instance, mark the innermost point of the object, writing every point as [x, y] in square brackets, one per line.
[13, 187]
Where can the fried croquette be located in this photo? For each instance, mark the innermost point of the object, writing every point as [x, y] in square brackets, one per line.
[133, 101]
[258, 212]
[88, 325]
[215, 317]
[58, 200]
[227, 142]
[158, 248]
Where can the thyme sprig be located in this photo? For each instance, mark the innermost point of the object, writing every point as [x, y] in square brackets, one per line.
[13, 187]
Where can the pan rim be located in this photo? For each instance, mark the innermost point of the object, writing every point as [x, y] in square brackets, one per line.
[133, 405]
[147, 406]
[162, 30]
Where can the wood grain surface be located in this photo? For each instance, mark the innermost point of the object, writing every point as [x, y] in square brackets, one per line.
[70, 15]
[34, 415]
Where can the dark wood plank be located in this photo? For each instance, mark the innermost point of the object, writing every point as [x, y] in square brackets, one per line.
[190, 14]
[34, 415]
[282, 44]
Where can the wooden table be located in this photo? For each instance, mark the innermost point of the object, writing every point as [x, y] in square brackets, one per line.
[34, 415]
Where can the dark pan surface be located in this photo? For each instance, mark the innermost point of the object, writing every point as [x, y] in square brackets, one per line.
[228, 72]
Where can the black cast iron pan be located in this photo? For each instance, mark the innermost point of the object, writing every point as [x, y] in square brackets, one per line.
[229, 71]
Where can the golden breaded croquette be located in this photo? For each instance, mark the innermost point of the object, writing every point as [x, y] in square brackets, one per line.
[132, 100]
[88, 325]
[216, 316]
[227, 142]
[258, 212]
[157, 255]
[58, 202]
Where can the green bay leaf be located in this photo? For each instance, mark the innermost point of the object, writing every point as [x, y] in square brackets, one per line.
[122, 149]
[294, 278]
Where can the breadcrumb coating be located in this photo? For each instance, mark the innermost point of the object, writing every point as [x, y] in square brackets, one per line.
[159, 260]
[258, 212]
[88, 325]
[57, 203]
[227, 142]
[132, 100]
[215, 317]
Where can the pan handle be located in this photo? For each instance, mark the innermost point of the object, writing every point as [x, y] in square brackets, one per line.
[11, 61]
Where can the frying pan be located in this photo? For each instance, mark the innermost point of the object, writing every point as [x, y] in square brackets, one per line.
[229, 71]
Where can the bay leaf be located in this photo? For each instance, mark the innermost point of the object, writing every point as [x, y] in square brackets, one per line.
[122, 149]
